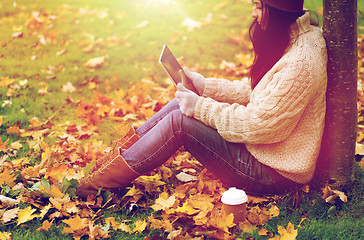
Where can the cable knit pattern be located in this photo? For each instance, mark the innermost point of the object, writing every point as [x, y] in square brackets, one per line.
[281, 121]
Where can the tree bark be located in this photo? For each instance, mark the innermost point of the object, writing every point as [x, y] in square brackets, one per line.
[336, 161]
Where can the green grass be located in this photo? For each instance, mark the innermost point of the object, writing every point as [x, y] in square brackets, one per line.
[132, 58]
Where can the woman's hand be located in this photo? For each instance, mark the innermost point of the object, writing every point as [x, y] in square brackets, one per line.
[186, 99]
[196, 79]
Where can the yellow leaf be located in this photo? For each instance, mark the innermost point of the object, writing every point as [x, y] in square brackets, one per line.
[45, 226]
[45, 210]
[5, 236]
[140, 226]
[26, 215]
[247, 227]
[273, 212]
[124, 227]
[43, 91]
[56, 174]
[186, 208]
[258, 216]
[16, 145]
[5, 81]
[288, 233]
[68, 88]
[163, 202]
[359, 149]
[54, 191]
[135, 194]
[151, 183]
[95, 62]
[160, 224]
[35, 122]
[223, 222]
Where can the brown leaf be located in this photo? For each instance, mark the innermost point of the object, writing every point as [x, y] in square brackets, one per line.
[9, 215]
[45, 226]
[330, 195]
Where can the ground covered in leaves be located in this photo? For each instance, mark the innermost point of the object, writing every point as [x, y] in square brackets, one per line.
[76, 77]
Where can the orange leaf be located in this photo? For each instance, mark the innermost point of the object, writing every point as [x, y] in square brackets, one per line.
[56, 204]
[76, 224]
[14, 129]
[263, 232]
[7, 178]
[56, 174]
[45, 226]
[113, 223]
[3, 147]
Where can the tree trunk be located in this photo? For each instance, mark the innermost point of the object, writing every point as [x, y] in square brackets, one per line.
[336, 161]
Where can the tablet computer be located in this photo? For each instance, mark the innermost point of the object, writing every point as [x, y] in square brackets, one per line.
[172, 67]
[170, 64]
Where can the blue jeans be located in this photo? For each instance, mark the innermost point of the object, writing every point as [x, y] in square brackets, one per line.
[168, 130]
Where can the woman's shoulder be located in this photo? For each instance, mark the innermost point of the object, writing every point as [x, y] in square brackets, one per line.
[309, 44]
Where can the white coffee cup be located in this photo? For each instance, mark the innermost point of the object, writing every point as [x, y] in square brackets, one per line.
[234, 201]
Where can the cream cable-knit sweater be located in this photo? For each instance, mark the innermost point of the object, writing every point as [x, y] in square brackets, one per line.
[281, 121]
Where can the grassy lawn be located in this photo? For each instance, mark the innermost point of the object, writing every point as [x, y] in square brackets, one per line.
[46, 73]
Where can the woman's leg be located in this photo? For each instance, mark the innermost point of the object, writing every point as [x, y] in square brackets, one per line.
[151, 122]
[231, 162]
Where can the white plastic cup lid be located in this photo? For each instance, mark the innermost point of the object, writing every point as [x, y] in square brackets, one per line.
[234, 196]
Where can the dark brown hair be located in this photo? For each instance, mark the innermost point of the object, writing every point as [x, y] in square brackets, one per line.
[269, 44]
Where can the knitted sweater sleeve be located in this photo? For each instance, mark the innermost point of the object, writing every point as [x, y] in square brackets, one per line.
[223, 90]
[272, 113]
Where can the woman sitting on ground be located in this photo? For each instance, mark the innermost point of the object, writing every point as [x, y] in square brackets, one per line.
[261, 134]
